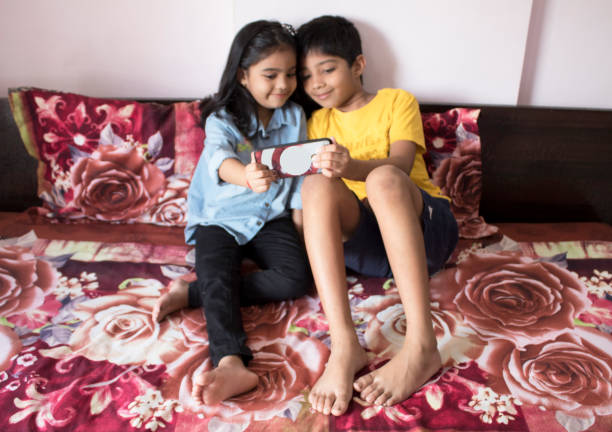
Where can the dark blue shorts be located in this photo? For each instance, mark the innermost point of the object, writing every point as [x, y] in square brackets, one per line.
[365, 252]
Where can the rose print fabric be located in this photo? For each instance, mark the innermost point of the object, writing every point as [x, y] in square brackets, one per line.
[523, 329]
[454, 164]
[125, 161]
[108, 159]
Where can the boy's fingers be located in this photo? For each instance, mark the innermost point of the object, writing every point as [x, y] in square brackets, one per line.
[253, 157]
[327, 172]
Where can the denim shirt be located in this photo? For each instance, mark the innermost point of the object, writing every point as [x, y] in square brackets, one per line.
[237, 209]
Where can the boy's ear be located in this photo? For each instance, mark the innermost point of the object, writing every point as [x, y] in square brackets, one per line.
[359, 65]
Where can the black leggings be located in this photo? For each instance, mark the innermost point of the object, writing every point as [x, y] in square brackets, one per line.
[221, 289]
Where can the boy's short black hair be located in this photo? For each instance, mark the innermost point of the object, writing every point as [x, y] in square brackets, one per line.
[331, 35]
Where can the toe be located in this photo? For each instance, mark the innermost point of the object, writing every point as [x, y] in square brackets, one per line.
[339, 407]
[361, 383]
[196, 393]
[383, 399]
[328, 402]
[392, 401]
[312, 399]
[367, 390]
[318, 402]
[373, 395]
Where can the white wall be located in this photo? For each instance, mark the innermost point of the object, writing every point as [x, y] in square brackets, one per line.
[569, 55]
[434, 48]
[140, 48]
[528, 52]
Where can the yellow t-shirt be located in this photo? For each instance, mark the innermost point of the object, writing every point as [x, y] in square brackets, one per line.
[392, 115]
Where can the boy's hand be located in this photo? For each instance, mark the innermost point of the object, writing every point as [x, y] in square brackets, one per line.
[259, 176]
[333, 160]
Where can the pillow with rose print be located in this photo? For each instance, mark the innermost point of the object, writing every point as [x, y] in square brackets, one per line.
[109, 160]
[453, 160]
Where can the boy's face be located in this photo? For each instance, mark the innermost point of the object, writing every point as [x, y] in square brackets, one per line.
[329, 80]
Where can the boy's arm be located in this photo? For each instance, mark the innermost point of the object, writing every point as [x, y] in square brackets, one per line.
[335, 161]
[405, 135]
[401, 155]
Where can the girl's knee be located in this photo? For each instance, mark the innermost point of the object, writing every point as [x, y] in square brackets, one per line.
[297, 282]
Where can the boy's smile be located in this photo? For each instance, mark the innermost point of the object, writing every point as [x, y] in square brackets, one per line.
[332, 83]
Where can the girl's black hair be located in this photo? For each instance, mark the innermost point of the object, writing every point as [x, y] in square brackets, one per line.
[251, 44]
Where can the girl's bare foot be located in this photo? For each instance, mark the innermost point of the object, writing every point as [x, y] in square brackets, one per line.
[230, 378]
[175, 299]
[333, 391]
[395, 381]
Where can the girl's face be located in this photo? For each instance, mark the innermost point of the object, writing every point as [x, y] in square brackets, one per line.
[272, 79]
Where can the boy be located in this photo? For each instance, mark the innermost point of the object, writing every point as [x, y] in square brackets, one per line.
[373, 209]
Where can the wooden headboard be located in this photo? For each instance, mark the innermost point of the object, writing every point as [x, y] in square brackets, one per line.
[538, 164]
[545, 164]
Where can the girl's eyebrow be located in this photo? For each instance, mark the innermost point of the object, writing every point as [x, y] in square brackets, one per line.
[276, 69]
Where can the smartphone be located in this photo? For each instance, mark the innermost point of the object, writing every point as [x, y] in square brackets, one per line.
[291, 160]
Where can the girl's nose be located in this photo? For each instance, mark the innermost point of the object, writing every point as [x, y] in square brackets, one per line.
[282, 83]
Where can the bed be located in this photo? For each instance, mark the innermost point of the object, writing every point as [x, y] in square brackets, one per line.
[522, 312]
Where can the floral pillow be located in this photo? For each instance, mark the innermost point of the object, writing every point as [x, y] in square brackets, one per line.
[109, 159]
[454, 164]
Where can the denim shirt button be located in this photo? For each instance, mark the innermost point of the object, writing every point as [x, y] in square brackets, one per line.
[259, 222]
[267, 205]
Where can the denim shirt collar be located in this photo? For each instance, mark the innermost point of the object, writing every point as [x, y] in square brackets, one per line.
[280, 117]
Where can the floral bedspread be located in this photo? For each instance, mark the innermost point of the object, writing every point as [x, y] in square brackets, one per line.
[524, 332]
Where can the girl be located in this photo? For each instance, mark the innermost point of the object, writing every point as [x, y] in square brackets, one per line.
[238, 208]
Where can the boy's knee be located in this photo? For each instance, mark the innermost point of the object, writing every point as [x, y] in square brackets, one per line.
[388, 184]
[318, 186]
[314, 183]
[386, 179]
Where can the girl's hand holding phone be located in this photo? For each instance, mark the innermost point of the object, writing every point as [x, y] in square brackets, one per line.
[333, 160]
[259, 176]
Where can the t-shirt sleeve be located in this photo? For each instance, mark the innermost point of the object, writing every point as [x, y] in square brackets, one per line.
[220, 144]
[406, 123]
[314, 126]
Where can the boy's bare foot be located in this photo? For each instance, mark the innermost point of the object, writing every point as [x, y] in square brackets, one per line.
[395, 381]
[230, 378]
[175, 299]
[333, 391]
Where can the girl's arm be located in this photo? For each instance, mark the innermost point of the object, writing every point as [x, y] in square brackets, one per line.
[254, 176]
[233, 171]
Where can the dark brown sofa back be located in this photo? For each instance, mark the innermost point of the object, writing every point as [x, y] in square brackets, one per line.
[17, 167]
[545, 164]
[538, 164]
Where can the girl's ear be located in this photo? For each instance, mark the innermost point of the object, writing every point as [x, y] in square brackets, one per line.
[358, 65]
[241, 76]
